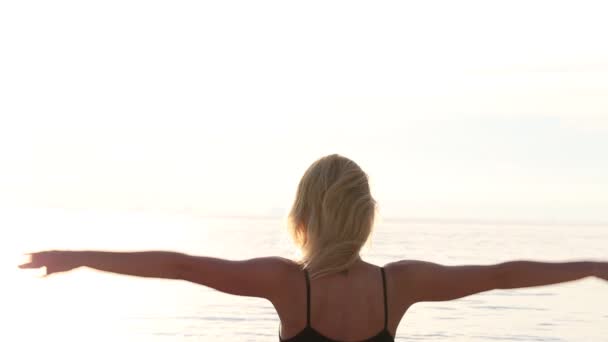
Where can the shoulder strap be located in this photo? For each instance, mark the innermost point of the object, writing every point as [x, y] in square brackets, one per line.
[307, 298]
[385, 300]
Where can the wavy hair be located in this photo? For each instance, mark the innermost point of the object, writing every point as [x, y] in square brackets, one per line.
[332, 216]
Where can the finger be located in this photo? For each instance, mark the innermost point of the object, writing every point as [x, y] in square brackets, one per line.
[34, 262]
[51, 270]
[33, 254]
[44, 275]
[30, 258]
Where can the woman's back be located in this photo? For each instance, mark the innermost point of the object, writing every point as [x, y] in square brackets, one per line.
[348, 306]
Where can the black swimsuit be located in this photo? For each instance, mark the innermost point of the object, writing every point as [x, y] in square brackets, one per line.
[308, 334]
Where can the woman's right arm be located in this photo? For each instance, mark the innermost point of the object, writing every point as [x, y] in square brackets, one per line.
[258, 277]
[422, 281]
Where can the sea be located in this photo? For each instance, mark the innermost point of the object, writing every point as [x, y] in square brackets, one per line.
[87, 305]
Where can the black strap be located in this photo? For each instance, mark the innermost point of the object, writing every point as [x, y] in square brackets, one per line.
[307, 299]
[385, 301]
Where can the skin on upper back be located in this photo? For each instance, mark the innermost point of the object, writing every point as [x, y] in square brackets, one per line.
[343, 306]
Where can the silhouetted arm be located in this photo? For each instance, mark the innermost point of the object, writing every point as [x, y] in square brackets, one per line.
[425, 281]
[254, 277]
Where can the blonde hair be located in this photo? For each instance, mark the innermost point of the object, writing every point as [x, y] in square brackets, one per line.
[332, 215]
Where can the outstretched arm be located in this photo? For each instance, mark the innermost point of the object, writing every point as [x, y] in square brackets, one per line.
[254, 277]
[419, 281]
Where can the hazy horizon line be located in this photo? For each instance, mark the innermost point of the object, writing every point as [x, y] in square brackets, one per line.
[382, 219]
[429, 220]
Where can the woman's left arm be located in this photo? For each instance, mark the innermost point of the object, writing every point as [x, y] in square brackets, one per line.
[258, 277]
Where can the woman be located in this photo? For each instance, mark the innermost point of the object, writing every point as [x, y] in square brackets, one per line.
[330, 294]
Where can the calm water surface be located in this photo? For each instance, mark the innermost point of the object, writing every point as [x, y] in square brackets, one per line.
[92, 306]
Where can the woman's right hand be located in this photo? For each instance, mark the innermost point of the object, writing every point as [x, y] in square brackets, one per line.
[601, 270]
[54, 261]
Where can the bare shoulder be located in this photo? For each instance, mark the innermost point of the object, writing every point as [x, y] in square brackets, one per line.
[419, 281]
[406, 278]
[258, 277]
[281, 264]
[275, 267]
[289, 269]
[287, 278]
[408, 268]
[280, 269]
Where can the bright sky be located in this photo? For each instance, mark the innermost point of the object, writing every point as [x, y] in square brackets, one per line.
[481, 110]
